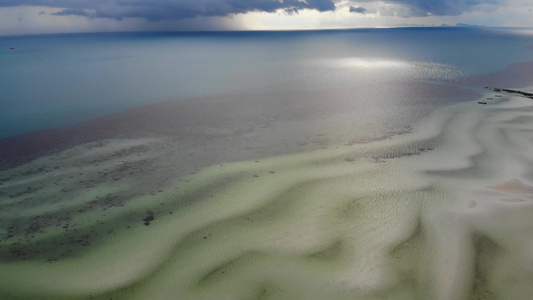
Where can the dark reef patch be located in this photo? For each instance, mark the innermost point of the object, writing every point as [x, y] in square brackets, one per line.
[149, 217]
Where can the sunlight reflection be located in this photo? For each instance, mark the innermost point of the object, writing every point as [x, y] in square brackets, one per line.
[515, 31]
[401, 68]
[364, 63]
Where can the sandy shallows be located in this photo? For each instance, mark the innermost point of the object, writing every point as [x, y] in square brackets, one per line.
[290, 214]
[404, 217]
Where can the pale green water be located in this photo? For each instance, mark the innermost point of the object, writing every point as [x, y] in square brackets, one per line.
[408, 217]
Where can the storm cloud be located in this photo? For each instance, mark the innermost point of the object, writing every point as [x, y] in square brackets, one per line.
[444, 7]
[157, 10]
[358, 10]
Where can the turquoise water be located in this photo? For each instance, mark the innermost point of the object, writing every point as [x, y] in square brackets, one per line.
[58, 80]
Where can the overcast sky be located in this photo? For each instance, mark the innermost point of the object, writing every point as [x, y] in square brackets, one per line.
[47, 16]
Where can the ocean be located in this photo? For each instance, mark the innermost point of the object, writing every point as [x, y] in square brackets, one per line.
[341, 164]
[50, 81]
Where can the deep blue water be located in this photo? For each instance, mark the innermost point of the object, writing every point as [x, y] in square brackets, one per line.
[59, 80]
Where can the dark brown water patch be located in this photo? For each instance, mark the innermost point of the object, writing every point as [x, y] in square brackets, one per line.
[516, 75]
[206, 123]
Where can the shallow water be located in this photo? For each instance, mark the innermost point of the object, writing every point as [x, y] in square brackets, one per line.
[440, 213]
[412, 191]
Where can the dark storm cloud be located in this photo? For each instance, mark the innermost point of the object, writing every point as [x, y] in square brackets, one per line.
[442, 7]
[155, 10]
[358, 10]
[72, 11]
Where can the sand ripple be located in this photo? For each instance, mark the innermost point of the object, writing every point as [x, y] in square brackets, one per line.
[441, 213]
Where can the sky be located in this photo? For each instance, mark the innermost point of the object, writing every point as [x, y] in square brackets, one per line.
[61, 16]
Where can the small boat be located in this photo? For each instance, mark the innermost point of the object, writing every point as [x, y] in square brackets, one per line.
[490, 98]
[12, 48]
[482, 102]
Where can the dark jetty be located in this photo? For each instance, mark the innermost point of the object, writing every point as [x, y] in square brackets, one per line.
[509, 91]
[527, 95]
